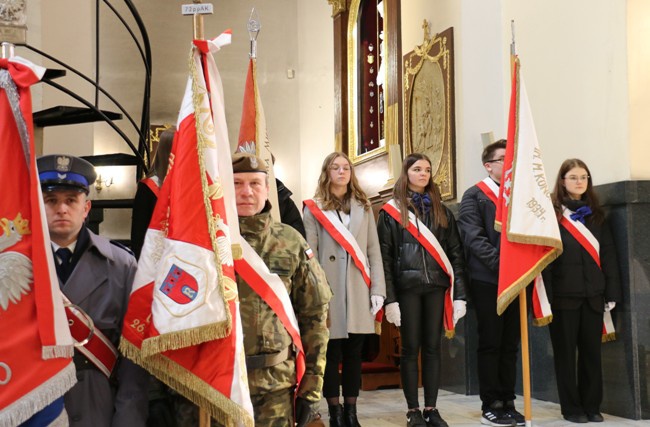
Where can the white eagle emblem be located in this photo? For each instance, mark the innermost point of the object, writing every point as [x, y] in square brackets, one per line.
[15, 277]
[63, 164]
[247, 147]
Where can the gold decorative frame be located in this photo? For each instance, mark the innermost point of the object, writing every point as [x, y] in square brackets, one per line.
[353, 85]
[429, 119]
[338, 6]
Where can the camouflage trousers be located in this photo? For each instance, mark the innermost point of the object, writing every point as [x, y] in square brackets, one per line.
[274, 409]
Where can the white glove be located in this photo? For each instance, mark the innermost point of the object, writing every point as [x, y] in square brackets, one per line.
[609, 306]
[460, 308]
[376, 302]
[393, 315]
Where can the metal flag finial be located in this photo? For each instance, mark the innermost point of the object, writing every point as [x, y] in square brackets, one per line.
[7, 50]
[254, 26]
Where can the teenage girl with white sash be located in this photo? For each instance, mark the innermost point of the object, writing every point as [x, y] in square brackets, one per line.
[580, 290]
[341, 231]
[417, 282]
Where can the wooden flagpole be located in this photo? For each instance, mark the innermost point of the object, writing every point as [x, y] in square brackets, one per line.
[197, 12]
[523, 309]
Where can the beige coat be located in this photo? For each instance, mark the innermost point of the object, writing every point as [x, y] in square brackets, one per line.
[350, 304]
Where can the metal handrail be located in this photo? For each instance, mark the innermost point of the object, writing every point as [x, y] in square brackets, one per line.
[145, 52]
[100, 113]
[89, 80]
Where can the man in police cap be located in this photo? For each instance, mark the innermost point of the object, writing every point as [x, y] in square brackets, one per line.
[270, 359]
[96, 276]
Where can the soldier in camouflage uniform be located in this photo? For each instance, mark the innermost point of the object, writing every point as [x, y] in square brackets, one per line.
[269, 356]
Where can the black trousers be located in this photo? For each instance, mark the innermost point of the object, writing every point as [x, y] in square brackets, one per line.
[498, 344]
[421, 329]
[347, 352]
[579, 383]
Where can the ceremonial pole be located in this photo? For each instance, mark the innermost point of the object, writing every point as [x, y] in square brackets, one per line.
[523, 309]
[197, 10]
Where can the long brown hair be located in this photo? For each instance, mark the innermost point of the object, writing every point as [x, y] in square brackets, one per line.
[401, 192]
[160, 163]
[324, 195]
[560, 193]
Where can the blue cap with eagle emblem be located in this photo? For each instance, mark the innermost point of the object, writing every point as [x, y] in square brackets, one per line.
[60, 171]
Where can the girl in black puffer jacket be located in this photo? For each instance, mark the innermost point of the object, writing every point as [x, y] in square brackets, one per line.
[416, 283]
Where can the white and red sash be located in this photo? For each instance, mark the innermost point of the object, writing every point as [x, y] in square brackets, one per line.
[152, 185]
[429, 242]
[90, 341]
[490, 188]
[271, 289]
[331, 222]
[589, 242]
[542, 313]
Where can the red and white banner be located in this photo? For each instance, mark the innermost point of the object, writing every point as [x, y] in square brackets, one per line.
[331, 222]
[183, 322]
[253, 137]
[428, 240]
[530, 235]
[589, 242]
[542, 313]
[36, 347]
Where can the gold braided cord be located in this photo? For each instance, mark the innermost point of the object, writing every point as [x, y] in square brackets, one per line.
[199, 93]
[220, 407]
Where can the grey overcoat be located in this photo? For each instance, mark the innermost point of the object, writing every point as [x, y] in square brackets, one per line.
[101, 284]
[350, 304]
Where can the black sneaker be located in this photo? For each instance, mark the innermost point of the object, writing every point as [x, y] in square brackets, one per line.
[414, 419]
[511, 412]
[495, 416]
[433, 419]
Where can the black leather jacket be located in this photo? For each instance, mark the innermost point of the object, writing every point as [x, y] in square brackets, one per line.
[408, 266]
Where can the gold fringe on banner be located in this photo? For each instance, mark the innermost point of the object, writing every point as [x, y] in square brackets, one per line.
[185, 338]
[221, 408]
[608, 337]
[543, 321]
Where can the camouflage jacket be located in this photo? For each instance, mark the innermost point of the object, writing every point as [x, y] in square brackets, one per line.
[287, 254]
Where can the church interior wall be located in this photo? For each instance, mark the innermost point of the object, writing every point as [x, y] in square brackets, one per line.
[573, 59]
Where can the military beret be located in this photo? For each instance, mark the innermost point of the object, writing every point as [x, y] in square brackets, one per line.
[246, 162]
[60, 171]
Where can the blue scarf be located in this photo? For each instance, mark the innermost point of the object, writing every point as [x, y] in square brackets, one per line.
[581, 213]
[422, 202]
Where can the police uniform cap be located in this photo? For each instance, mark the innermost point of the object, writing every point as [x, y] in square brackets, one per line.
[60, 171]
[246, 162]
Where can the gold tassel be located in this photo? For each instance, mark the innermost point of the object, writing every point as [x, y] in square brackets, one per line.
[377, 327]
